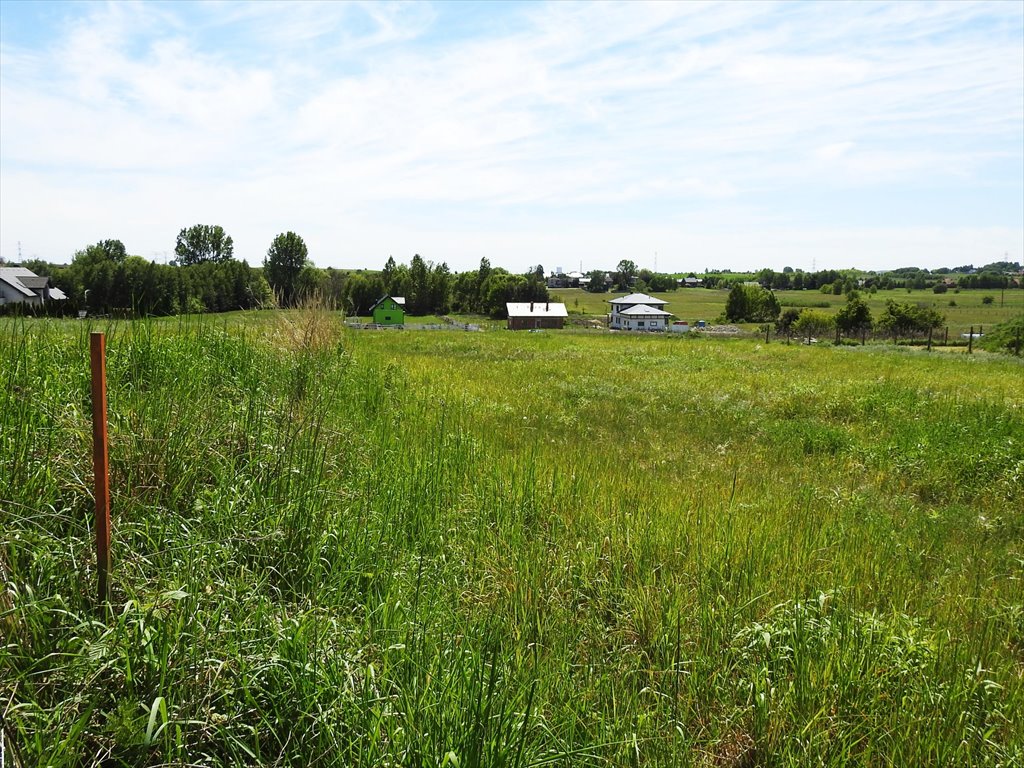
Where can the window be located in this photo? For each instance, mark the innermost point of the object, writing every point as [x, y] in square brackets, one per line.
[639, 323]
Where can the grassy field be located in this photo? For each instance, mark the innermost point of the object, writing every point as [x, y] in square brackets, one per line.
[498, 549]
[694, 304]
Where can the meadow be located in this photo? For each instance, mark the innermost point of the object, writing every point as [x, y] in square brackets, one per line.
[497, 549]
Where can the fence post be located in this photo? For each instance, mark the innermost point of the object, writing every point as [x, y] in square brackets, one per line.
[970, 340]
[929, 339]
[100, 463]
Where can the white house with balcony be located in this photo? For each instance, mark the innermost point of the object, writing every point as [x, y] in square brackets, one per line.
[638, 312]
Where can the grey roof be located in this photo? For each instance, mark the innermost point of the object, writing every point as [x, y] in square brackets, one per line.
[637, 298]
[536, 309]
[34, 281]
[642, 310]
[13, 276]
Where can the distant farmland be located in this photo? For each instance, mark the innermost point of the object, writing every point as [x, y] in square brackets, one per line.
[694, 304]
[500, 549]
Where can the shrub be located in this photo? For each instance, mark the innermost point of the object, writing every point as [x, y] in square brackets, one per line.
[1005, 337]
[813, 323]
[905, 319]
[987, 299]
[855, 316]
[785, 322]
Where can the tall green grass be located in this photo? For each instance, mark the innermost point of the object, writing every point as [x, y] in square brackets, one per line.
[509, 550]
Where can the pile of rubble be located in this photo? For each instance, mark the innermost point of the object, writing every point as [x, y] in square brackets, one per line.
[726, 330]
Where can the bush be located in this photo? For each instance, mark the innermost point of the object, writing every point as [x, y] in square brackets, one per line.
[1005, 337]
[940, 288]
[987, 299]
[813, 323]
[905, 319]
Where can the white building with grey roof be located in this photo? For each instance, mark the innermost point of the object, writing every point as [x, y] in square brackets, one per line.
[638, 312]
[19, 285]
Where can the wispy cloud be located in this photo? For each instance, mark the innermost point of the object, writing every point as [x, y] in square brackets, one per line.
[367, 126]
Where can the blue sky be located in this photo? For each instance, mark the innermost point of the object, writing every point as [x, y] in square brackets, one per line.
[701, 135]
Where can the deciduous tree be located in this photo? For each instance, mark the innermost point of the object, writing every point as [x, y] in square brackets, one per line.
[855, 317]
[203, 242]
[624, 274]
[751, 304]
[285, 259]
[597, 283]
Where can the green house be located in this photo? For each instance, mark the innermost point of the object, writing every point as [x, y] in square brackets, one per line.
[389, 310]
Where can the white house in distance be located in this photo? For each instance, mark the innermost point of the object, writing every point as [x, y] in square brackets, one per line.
[23, 286]
[638, 312]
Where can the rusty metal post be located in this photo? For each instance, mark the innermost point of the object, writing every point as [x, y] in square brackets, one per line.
[100, 462]
[970, 341]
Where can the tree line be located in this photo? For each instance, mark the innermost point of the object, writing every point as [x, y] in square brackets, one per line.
[433, 289]
[753, 303]
[205, 277]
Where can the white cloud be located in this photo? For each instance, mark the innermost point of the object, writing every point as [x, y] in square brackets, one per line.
[317, 117]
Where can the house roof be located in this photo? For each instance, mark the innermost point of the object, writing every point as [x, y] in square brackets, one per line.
[536, 309]
[34, 282]
[637, 298]
[399, 300]
[642, 310]
[16, 276]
